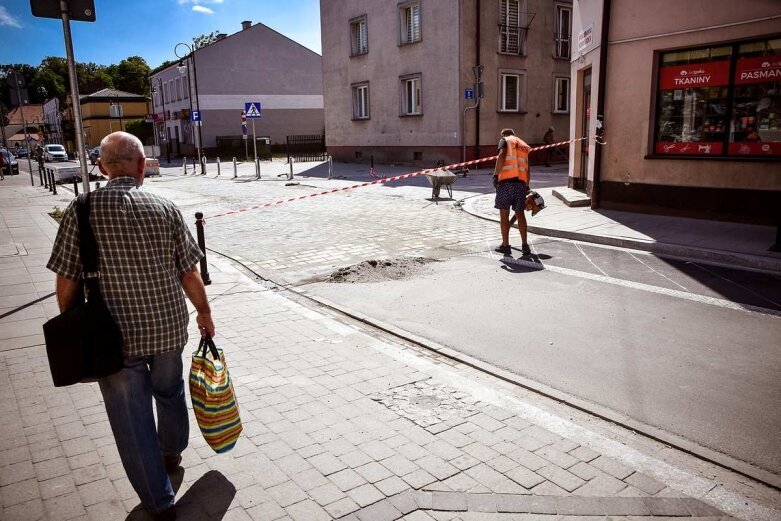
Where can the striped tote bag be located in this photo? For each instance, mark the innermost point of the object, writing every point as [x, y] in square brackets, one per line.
[214, 401]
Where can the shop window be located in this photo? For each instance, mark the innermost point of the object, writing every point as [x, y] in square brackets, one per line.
[409, 18]
[755, 129]
[361, 101]
[359, 39]
[410, 95]
[705, 110]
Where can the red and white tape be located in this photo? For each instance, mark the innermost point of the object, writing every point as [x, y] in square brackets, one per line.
[385, 180]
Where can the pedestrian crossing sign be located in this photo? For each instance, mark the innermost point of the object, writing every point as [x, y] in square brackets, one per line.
[252, 109]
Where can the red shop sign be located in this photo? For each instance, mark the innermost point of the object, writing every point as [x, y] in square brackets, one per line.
[759, 69]
[711, 74]
[702, 148]
[754, 149]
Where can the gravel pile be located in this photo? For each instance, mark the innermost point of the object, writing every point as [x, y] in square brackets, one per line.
[380, 270]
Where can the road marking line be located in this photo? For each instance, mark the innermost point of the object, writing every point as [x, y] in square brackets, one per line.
[658, 273]
[700, 299]
[589, 259]
[735, 283]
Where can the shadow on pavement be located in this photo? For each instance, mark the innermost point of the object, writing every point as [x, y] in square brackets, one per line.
[207, 499]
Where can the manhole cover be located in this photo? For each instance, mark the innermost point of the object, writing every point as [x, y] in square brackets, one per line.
[426, 403]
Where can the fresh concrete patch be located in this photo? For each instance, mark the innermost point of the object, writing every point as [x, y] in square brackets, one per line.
[381, 270]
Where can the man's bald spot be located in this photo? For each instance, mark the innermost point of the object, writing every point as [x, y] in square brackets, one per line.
[120, 152]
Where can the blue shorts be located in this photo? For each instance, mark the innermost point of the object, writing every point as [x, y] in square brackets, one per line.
[511, 194]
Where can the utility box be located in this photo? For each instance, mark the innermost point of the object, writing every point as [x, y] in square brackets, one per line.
[264, 147]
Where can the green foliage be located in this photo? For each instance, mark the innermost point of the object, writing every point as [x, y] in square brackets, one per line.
[141, 129]
[57, 213]
[131, 75]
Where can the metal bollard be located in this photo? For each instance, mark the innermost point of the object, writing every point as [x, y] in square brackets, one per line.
[203, 165]
[257, 168]
[235, 169]
[40, 172]
[202, 245]
[195, 170]
[184, 166]
[290, 175]
[330, 167]
[76, 186]
[49, 178]
[54, 184]
[45, 175]
[218, 167]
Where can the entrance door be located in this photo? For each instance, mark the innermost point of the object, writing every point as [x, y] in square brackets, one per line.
[585, 111]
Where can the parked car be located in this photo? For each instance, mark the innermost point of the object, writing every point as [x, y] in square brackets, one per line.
[21, 152]
[152, 167]
[94, 155]
[54, 153]
[10, 165]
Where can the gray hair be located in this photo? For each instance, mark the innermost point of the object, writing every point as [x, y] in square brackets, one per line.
[120, 148]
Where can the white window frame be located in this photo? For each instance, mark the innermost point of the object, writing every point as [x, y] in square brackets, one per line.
[186, 85]
[361, 101]
[520, 89]
[359, 36]
[411, 94]
[410, 23]
[561, 86]
[178, 88]
[508, 30]
[562, 35]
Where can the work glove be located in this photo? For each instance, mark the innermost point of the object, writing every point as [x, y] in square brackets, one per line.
[496, 181]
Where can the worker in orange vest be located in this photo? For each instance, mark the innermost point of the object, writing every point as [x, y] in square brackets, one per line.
[511, 180]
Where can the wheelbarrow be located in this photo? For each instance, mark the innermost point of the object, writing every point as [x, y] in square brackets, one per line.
[438, 180]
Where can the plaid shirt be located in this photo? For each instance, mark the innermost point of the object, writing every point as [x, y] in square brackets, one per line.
[144, 247]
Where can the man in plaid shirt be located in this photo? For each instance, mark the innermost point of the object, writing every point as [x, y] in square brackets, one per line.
[146, 257]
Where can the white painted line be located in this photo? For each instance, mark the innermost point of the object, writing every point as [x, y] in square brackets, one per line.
[589, 259]
[658, 273]
[703, 268]
[701, 299]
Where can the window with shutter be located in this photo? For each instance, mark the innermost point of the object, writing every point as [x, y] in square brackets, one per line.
[563, 31]
[410, 95]
[359, 39]
[510, 27]
[410, 23]
[361, 101]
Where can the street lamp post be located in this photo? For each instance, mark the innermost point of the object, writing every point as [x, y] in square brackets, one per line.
[182, 68]
[165, 121]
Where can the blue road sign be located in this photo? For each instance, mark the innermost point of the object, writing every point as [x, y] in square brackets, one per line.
[469, 94]
[252, 110]
[195, 116]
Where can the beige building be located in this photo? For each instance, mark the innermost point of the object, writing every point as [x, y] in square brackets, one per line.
[689, 94]
[103, 112]
[397, 75]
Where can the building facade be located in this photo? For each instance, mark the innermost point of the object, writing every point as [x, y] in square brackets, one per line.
[52, 121]
[400, 79]
[689, 97]
[256, 64]
[102, 112]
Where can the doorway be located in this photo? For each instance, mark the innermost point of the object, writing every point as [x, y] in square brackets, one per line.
[581, 181]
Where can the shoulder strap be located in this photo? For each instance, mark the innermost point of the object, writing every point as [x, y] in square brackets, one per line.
[88, 246]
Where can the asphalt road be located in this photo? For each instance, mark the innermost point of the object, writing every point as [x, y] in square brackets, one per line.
[633, 341]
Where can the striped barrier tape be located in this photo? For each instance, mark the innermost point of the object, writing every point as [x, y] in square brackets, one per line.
[385, 180]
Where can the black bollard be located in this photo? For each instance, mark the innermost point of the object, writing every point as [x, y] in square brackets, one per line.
[45, 178]
[40, 172]
[49, 178]
[76, 186]
[54, 184]
[202, 245]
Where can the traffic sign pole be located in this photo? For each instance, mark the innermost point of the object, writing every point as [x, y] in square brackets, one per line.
[255, 149]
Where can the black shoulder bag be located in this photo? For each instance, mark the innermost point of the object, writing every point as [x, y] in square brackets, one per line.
[84, 343]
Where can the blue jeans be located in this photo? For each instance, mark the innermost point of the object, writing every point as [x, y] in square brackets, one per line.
[128, 397]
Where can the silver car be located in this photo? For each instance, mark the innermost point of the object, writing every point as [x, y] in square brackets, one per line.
[54, 153]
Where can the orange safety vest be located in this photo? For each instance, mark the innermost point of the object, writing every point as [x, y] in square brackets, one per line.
[516, 160]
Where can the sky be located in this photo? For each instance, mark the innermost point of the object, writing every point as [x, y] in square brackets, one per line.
[147, 28]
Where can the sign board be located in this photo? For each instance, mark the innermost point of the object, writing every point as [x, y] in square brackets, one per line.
[252, 109]
[708, 74]
[469, 94]
[759, 69]
[586, 37]
[78, 10]
[195, 116]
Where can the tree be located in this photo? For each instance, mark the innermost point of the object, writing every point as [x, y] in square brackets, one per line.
[162, 66]
[205, 39]
[131, 75]
[141, 129]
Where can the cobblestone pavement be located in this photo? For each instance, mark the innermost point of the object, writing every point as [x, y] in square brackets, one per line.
[338, 424]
